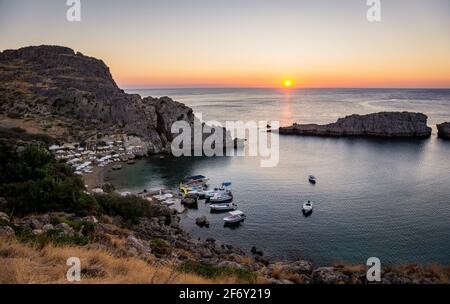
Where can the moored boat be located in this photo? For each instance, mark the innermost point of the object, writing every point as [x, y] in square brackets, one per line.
[223, 207]
[224, 189]
[169, 202]
[308, 207]
[162, 197]
[234, 217]
[221, 197]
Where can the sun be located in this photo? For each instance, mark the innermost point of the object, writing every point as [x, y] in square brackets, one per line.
[288, 83]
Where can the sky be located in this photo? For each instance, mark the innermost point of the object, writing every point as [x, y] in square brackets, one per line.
[246, 43]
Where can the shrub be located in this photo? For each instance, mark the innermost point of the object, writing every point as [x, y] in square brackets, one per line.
[130, 207]
[14, 115]
[3, 223]
[18, 130]
[19, 134]
[85, 227]
[51, 237]
[160, 247]
[212, 271]
[32, 181]
[108, 188]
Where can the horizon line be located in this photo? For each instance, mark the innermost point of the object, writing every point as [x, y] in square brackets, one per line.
[289, 89]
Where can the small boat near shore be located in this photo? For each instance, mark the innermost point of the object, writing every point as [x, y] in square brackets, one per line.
[224, 190]
[234, 217]
[223, 207]
[221, 197]
[198, 191]
[312, 179]
[169, 202]
[163, 197]
[308, 207]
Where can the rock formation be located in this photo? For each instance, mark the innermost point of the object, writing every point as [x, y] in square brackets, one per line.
[444, 130]
[384, 124]
[55, 82]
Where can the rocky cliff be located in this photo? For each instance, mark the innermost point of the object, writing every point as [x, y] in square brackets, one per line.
[385, 124]
[444, 130]
[53, 83]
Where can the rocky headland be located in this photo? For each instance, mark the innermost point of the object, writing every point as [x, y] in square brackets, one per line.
[384, 124]
[444, 130]
[74, 97]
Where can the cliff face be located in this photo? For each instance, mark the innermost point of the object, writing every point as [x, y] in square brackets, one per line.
[55, 81]
[385, 124]
[444, 130]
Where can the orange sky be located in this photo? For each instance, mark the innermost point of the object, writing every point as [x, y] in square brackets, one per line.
[251, 43]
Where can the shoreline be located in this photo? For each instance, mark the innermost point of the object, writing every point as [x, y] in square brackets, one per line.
[97, 177]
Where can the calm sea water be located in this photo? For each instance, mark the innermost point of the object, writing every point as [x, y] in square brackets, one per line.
[382, 198]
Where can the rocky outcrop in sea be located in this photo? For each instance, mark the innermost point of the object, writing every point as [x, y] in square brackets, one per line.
[78, 93]
[384, 124]
[444, 130]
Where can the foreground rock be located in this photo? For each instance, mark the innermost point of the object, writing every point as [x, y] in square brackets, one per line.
[202, 221]
[4, 217]
[444, 130]
[329, 275]
[384, 124]
[158, 241]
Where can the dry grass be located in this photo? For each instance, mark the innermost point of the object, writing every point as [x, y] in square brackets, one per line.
[26, 264]
[436, 271]
[349, 269]
[429, 271]
[279, 273]
[32, 126]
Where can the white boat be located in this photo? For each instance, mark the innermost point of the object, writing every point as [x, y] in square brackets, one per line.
[223, 207]
[163, 197]
[197, 190]
[312, 179]
[308, 207]
[234, 217]
[221, 197]
[169, 202]
[210, 193]
[225, 188]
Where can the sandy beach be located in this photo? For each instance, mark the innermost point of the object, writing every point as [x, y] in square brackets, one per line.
[96, 178]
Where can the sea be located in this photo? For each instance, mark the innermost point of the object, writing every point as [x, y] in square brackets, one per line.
[381, 198]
